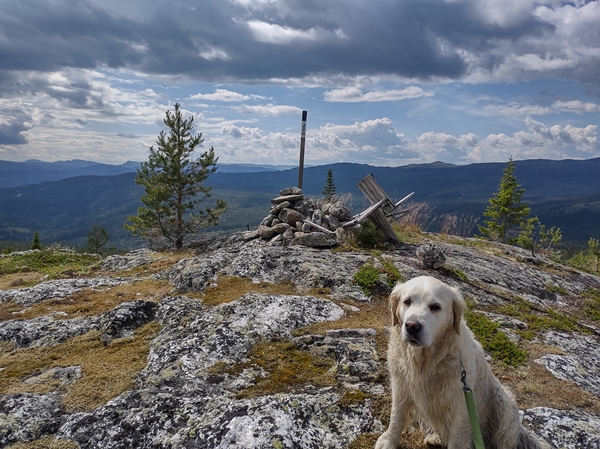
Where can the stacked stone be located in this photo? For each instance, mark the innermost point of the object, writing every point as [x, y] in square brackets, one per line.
[296, 220]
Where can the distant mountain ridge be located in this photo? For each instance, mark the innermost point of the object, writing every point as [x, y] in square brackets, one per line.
[562, 193]
[33, 171]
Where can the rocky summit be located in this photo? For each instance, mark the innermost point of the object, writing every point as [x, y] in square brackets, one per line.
[251, 344]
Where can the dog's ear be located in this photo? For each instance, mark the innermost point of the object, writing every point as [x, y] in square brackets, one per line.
[394, 301]
[458, 308]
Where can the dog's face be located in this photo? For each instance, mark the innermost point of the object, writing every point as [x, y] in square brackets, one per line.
[426, 309]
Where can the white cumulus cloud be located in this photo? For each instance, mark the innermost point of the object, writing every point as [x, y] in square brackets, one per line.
[355, 95]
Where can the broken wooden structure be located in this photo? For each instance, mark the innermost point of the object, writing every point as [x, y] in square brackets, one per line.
[381, 209]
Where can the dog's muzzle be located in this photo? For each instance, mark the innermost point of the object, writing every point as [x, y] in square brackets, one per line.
[412, 331]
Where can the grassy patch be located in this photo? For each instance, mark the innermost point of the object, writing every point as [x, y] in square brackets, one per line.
[289, 369]
[553, 288]
[540, 321]
[107, 371]
[591, 308]
[87, 302]
[47, 442]
[55, 264]
[230, 288]
[367, 276]
[493, 340]
[454, 272]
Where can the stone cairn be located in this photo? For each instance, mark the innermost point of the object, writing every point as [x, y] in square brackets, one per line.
[297, 220]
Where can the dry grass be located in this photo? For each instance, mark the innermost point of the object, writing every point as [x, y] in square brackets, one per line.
[535, 386]
[46, 443]
[14, 280]
[87, 302]
[107, 371]
[289, 369]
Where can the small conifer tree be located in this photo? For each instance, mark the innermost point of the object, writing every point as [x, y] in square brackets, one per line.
[505, 210]
[97, 238]
[173, 180]
[35, 243]
[329, 190]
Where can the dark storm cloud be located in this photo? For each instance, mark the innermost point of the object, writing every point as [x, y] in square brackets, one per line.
[12, 124]
[219, 40]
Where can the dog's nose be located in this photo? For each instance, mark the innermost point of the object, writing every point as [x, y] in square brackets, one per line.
[412, 327]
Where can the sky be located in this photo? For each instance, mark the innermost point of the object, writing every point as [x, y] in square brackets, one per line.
[385, 82]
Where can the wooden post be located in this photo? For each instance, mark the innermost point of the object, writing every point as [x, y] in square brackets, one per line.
[302, 139]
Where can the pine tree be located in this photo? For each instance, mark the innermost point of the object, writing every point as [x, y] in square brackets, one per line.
[505, 211]
[329, 189]
[35, 243]
[173, 180]
[97, 238]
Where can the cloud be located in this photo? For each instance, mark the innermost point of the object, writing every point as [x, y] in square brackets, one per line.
[226, 96]
[270, 110]
[515, 109]
[576, 106]
[355, 95]
[276, 34]
[11, 131]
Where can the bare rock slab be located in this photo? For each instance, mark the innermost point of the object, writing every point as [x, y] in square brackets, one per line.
[565, 429]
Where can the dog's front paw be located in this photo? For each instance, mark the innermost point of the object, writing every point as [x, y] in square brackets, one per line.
[433, 439]
[386, 441]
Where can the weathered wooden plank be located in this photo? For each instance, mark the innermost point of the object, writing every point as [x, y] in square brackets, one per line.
[380, 220]
[359, 218]
[320, 228]
[374, 193]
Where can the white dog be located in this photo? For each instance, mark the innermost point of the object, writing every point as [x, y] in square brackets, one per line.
[427, 341]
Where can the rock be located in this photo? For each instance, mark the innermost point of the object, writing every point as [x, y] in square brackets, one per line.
[60, 288]
[288, 234]
[355, 353]
[268, 220]
[276, 209]
[44, 330]
[277, 240]
[250, 235]
[25, 417]
[340, 211]
[126, 317]
[317, 217]
[204, 412]
[290, 198]
[129, 261]
[341, 235]
[65, 375]
[333, 221]
[570, 429]
[266, 233]
[577, 366]
[291, 191]
[431, 255]
[290, 216]
[315, 239]
[306, 267]
[280, 228]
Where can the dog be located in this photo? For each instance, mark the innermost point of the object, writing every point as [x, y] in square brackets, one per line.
[429, 348]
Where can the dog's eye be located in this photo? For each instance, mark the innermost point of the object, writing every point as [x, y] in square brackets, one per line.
[407, 302]
[435, 307]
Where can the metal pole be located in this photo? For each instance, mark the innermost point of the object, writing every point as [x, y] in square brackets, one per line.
[302, 139]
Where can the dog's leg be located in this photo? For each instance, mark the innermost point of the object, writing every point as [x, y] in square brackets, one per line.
[460, 436]
[390, 439]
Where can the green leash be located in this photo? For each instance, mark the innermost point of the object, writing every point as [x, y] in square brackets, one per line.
[473, 418]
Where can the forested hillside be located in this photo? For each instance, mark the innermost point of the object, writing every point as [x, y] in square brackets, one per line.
[565, 194]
